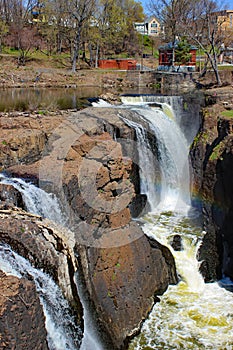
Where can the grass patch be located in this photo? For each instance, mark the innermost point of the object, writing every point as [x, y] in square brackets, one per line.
[222, 67]
[217, 151]
[227, 113]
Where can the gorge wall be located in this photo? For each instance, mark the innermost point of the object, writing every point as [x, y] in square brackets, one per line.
[212, 155]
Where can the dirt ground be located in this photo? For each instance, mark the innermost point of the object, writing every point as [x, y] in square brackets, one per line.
[46, 74]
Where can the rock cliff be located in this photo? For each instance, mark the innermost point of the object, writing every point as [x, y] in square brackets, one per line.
[87, 159]
[212, 155]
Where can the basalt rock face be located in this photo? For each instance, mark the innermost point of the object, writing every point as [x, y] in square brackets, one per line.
[89, 162]
[123, 282]
[212, 160]
[24, 137]
[22, 322]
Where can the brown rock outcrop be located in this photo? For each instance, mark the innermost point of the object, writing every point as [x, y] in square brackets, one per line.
[22, 321]
[10, 195]
[93, 175]
[24, 137]
[44, 245]
[123, 282]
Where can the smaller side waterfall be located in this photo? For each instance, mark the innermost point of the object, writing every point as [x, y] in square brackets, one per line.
[36, 200]
[63, 333]
[91, 338]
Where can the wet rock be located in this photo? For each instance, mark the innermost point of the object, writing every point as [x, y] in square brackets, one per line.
[177, 243]
[44, 245]
[12, 196]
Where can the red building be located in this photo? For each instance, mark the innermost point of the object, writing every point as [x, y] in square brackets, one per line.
[165, 57]
[124, 64]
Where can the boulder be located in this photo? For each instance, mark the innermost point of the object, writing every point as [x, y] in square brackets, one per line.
[11, 196]
[123, 281]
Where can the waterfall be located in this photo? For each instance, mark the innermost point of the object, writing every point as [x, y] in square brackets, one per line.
[91, 338]
[148, 184]
[62, 332]
[192, 314]
[36, 200]
[55, 307]
[172, 156]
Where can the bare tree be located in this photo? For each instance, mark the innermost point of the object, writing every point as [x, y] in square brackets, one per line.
[203, 24]
[199, 20]
[80, 12]
[17, 14]
[170, 13]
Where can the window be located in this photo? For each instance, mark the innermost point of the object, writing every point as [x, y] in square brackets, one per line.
[154, 25]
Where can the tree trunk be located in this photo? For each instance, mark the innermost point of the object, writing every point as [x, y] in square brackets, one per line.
[97, 55]
[76, 48]
[74, 61]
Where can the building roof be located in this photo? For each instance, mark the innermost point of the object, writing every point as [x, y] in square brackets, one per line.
[169, 46]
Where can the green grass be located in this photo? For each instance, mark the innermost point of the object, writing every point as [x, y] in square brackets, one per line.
[217, 151]
[228, 114]
[228, 68]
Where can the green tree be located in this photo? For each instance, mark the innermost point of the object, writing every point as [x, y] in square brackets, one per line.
[116, 25]
[182, 52]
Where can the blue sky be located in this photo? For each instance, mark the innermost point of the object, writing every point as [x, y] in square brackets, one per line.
[228, 3]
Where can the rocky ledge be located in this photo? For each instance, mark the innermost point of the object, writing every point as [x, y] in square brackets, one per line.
[87, 159]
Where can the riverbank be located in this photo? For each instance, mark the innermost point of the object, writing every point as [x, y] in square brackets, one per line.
[48, 75]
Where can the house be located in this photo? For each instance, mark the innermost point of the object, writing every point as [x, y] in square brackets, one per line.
[224, 19]
[165, 59]
[37, 13]
[151, 27]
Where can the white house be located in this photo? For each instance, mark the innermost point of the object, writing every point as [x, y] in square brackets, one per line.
[151, 27]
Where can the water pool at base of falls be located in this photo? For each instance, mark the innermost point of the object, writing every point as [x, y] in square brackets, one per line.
[192, 314]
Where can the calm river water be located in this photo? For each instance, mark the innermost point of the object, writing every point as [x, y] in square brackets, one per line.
[29, 99]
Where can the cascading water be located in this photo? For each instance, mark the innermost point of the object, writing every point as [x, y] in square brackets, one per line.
[172, 155]
[36, 200]
[62, 332]
[192, 314]
[148, 184]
